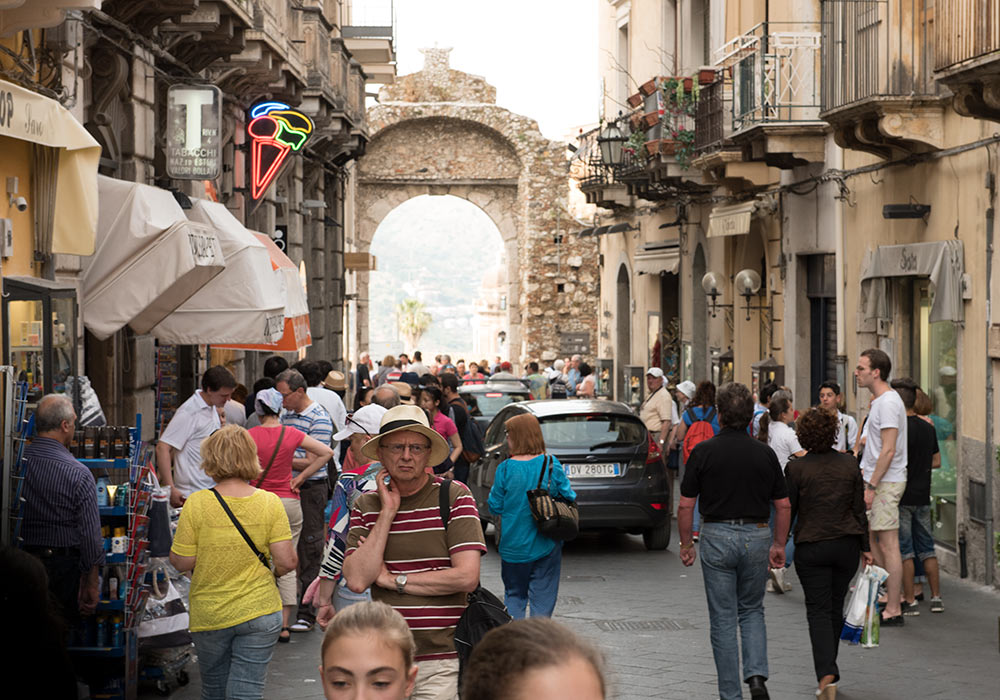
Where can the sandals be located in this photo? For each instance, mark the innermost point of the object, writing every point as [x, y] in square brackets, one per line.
[285, 635]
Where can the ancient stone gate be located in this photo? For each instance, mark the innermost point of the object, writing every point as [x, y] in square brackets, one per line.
[439, 131]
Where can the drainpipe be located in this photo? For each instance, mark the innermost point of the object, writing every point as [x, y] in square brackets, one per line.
[838, 229]
[990, 463]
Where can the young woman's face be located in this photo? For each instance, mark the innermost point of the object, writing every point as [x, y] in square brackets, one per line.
[574, 679]
[362, 666]
[427, 402]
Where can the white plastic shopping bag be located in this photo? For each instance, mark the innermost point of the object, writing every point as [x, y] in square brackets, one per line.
[861, 608]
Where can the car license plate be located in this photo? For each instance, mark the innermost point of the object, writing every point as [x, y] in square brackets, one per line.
[593, 471]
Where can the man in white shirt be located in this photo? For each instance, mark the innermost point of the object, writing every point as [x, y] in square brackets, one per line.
[418, 365]
[178, 453]
[829, 400]
[883, 467]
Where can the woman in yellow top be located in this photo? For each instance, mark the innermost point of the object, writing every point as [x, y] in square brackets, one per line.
[235, 605]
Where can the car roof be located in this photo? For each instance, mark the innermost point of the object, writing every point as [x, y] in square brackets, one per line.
[544, 408]
[507, 386]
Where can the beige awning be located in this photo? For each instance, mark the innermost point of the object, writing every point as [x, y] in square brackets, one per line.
[943, 262]
[731, 220]
[16, 15]
[149, 259]
[657, 261]
[38, 119]
[245, 303]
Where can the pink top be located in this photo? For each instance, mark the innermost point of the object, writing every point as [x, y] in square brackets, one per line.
[444, 426]
[279, 478]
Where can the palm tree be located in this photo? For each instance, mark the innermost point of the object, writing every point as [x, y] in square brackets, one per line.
[412, 321]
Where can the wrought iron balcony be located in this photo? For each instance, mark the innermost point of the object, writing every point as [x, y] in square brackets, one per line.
[967, 55]
[878, 90]
[710, 119]
[775, 73]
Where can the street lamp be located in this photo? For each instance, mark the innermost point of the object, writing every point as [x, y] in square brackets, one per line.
[711, 283]
[747, 285]
[611, 142]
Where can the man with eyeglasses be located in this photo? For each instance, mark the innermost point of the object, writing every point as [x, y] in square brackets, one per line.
[399, 546]
[306, 415]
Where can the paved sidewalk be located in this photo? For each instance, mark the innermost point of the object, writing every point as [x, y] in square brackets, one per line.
[648, 614]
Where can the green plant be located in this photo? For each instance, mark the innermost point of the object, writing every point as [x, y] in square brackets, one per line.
[636, 144]
[412, 320]
[679, 108]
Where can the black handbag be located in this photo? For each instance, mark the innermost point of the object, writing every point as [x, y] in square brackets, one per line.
[557, 518]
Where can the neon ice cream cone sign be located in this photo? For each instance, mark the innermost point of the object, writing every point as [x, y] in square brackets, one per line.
[275, 131]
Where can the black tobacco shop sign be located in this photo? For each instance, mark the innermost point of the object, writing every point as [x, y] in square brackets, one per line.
[194, 126]
[574, 343]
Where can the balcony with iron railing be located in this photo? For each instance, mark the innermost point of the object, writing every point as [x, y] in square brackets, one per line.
[772, 74]
[370, 36]
[967, 55]
[879, 92]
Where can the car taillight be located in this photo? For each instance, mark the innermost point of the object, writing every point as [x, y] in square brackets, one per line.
[655, 455]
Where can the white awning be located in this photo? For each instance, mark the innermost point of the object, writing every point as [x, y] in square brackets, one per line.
[245, 303]
[731, 220]
[657, 261]
[149, 259]
[37, 119]
[943, 262]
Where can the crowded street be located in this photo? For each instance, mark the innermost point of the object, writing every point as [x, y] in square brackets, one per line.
[647, 614]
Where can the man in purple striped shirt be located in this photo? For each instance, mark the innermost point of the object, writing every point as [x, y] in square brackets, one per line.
[62, 525]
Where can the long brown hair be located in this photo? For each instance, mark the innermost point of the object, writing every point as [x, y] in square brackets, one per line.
[525, 435]
[777, 406]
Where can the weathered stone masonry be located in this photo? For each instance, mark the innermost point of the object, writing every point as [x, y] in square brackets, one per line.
[439, 131]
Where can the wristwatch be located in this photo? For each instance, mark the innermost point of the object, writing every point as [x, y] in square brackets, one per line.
[870, 486]
[401, 583]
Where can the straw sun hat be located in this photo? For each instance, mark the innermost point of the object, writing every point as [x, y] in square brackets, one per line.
[408, 418]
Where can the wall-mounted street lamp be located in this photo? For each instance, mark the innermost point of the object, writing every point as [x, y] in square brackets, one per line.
[711, 283]
[611, 141]
[747, 285]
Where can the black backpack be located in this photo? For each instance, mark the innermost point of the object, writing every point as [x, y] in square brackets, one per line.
[484, 612]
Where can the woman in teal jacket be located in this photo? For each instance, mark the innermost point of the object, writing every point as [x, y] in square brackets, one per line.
[530, 562]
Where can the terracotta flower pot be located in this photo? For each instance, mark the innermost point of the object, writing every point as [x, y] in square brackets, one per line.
[649, 87]
[706, 76]
[634, 100]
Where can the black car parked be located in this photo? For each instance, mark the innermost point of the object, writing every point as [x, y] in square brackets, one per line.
[489, 397]
[612, 461]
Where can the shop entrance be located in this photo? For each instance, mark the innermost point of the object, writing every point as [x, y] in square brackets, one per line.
[623, 333]
[928, 352]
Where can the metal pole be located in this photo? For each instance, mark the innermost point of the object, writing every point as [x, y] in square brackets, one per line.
[990, 461]
[8, 452]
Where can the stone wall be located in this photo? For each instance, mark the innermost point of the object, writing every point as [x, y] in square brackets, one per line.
[439, 131]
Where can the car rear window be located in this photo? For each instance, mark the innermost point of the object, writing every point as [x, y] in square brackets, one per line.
[589, 431]
[490, 402]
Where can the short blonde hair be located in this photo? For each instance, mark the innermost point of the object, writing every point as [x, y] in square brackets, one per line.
[376, 617]
[230, 453]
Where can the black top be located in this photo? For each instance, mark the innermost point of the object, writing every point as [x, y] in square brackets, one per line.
[460, 411]
[921, 446]
[735, 476]
[828, 495]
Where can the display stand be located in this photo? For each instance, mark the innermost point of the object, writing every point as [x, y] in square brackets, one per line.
[107, 642]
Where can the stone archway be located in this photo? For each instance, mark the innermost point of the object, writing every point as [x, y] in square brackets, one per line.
[440, 132]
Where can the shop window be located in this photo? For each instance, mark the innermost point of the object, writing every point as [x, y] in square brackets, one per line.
[39, 333]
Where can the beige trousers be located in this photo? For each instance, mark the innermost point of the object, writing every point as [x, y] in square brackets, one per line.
[436, 680]
[287, 585]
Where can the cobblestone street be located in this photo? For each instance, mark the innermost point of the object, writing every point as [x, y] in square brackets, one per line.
[648, 614]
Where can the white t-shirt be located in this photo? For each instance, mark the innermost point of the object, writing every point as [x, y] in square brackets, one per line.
[194, 421]
[887, 411]
[783, 441]
[847, 432]
[334, 407]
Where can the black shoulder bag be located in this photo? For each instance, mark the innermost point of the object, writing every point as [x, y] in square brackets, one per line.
[261, 557]
[556, 517]
[484, 610]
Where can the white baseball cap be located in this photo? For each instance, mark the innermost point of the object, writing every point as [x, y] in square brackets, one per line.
[654, 372]
[364, 421]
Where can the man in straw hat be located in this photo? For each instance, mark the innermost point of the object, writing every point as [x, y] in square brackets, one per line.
[409, 558]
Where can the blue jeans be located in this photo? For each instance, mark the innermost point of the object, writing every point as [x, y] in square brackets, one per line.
[734, 565]
[344, 597]
[915, 538]
[535, 581]
[233, 661]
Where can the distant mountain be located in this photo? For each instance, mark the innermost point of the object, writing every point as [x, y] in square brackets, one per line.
[434, 249]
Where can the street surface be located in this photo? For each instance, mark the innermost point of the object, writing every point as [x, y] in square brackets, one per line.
[648, 615]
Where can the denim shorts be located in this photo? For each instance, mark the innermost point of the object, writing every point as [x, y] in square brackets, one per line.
[915, 538]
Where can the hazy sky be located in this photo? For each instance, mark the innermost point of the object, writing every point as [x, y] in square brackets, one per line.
[540, 54]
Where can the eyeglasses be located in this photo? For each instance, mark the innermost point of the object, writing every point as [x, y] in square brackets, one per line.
[415, 450]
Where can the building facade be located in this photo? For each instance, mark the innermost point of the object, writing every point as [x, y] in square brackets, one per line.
[837, 193]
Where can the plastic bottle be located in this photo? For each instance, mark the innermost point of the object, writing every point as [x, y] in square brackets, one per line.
[116, 633]
[102, 491]
[101, 635]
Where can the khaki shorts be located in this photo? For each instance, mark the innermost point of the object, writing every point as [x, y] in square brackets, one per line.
[436, 680]
[884, 514]
[287, 584]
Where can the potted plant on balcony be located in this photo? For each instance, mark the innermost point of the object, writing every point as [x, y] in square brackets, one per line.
[679, 98]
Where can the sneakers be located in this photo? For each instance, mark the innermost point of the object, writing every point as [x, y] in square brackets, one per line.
[911, 609]
[778, 581]
[936, 604]
[896, 621]
[694, 536]
[301, 626]
[769, 586]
